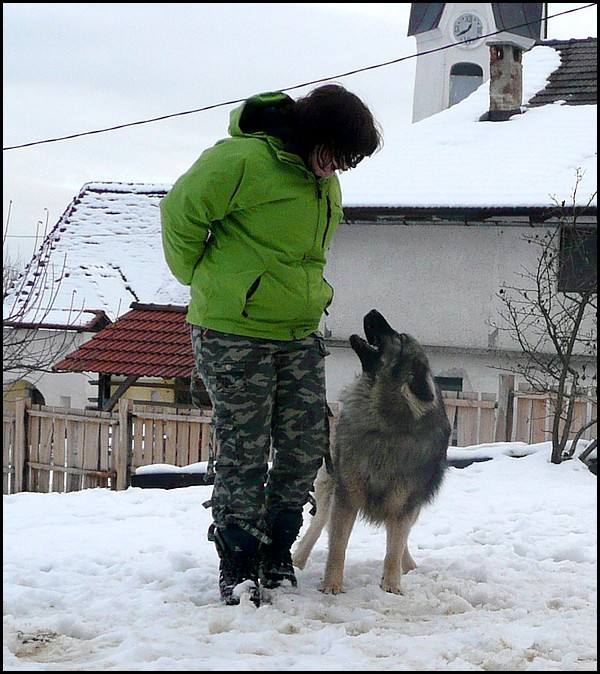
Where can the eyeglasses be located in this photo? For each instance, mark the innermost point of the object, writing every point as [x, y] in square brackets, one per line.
[351, 163]
[326, 159]
[347, 165]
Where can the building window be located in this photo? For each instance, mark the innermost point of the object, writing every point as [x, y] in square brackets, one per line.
[577, 269]
[449, 383]
[464, 79]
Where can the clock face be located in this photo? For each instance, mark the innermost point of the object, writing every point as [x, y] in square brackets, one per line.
[467, 27]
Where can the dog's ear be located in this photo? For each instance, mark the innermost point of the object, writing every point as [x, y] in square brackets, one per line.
[420, 383]
[369, 357]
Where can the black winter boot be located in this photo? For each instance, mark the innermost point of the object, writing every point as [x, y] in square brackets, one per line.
[275, 559]
[238, 554]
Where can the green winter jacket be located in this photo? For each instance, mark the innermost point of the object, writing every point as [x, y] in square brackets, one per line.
[247, 227]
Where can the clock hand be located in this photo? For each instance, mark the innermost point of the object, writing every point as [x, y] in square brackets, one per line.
[466, 30]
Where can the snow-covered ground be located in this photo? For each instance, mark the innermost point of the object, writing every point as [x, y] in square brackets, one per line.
[506, 581]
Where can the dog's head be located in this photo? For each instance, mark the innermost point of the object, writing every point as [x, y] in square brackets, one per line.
[395, 356]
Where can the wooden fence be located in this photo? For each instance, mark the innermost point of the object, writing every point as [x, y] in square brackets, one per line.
[534, 414]
[54, 449]
[59, 449]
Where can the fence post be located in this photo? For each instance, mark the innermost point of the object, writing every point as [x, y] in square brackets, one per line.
[21, 454]
[504, 419]
[123, 457]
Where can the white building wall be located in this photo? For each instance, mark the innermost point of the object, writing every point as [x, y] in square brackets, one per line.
[68, 389]
[61, 389]
[436, 282]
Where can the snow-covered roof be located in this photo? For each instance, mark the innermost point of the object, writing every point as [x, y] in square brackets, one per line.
[452, 159]
[104, 253]
[108, 240]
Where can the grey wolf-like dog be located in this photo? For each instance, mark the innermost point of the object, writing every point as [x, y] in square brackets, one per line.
[388, 454]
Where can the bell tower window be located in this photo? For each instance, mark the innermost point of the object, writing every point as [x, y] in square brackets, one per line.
[464, 79]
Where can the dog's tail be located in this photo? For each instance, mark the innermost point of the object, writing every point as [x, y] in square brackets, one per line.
[323, 494]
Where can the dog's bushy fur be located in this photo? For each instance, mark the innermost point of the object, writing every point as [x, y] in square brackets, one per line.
[388, 453]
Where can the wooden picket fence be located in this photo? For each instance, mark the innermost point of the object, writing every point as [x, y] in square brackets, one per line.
[54, 449]
[59, 449]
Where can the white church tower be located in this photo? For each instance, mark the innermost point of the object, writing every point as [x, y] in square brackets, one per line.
[453, 46]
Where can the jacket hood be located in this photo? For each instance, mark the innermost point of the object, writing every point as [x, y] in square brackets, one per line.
[261, 114]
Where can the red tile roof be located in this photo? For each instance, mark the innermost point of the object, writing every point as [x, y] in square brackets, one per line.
[149, 341]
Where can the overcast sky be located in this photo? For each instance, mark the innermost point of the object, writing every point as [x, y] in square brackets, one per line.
[71, 68]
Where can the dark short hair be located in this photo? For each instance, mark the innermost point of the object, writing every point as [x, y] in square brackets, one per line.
[332, 117]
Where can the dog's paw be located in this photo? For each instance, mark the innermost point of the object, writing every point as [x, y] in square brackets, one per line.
[408, 563]
[331, 588]
[408, 566]
[299, 561]
[387, 586]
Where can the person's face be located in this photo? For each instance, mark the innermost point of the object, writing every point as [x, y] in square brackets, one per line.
[322, 163]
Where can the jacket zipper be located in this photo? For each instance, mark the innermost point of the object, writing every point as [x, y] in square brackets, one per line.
[328, 219]
[327, 223]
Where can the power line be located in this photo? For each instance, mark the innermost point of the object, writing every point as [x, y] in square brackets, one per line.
[291, 88]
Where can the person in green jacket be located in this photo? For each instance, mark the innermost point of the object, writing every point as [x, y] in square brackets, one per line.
[247, 227]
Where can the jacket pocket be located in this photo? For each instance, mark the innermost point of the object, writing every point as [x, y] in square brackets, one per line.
[251, 290]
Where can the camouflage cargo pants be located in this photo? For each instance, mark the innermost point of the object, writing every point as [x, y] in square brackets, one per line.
[269, 400]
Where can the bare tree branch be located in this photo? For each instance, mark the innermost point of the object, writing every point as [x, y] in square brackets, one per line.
[555, 329]
[32, 340]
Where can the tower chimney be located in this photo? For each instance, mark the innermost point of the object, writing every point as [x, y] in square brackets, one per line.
[506, 74]
[506, 82]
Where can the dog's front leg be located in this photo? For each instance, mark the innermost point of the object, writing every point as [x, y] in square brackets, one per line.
[396, 553]
[341, 521]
